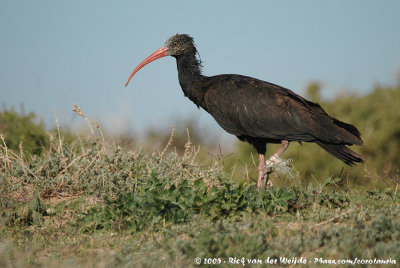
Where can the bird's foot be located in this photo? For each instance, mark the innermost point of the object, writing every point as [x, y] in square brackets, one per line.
[264, 181]
[267, 170]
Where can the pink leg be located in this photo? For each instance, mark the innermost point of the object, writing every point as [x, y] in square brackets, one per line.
[284, 145]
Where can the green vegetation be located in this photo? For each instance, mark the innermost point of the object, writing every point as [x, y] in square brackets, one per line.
[22, 132]
[82, 206]
[85, 203]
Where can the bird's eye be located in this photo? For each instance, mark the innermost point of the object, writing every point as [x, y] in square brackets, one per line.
[175, 43]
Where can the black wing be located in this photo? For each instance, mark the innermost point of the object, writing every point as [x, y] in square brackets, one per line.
[245, 106]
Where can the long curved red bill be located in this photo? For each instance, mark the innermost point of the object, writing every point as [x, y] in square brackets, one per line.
[159, 53]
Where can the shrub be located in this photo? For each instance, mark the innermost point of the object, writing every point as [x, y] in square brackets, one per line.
[22, 131]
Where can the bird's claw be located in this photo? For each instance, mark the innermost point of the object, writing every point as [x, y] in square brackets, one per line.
[265, 181]
[266, 171]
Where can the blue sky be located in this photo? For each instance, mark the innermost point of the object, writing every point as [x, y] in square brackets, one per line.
[57, 53]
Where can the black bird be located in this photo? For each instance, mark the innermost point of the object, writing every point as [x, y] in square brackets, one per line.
[256, 111]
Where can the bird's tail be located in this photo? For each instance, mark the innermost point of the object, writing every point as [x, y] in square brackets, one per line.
[341, 152]
[350, 133]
